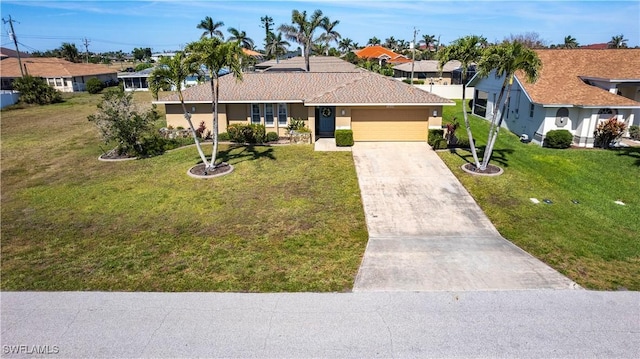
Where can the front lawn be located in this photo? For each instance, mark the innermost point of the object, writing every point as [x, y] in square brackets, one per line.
[287, 218]
[595, 242]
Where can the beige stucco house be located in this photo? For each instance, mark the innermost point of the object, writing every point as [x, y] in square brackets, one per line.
[61, 74]
[333, 95]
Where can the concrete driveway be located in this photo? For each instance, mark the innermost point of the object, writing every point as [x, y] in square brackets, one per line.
[426, 233]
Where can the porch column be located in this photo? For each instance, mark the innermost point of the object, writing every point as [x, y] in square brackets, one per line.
[311, 122]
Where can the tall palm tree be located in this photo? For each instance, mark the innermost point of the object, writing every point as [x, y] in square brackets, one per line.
[241, 38]
[211, 28]
[345, 45]
[505, 59]
[171, 72]
[69, 51]
[329, 34]
[618, 42]
[570, 42]
[302, 29]
[374, 41]
[428, 40]
[391, 43]
[215, 55]
[468, 50]
[276, 47]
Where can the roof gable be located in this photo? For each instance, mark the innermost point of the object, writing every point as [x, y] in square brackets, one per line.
[562, 73]
[379, 52]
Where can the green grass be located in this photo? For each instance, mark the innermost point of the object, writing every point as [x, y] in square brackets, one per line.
[287, 218]
[596, 242]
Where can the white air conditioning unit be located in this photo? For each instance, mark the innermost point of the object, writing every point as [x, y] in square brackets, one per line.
[524, 137]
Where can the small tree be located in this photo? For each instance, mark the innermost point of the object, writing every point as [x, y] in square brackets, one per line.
[94, 85]
[608, 132]
[122, 121]
[35, 90]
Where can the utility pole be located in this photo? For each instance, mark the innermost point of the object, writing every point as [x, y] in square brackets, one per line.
[413, 51]
[15, 41]
[86, 49]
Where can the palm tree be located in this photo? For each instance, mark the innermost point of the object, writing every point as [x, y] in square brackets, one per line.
[241, 38]
[329, 34]
[211, 28]
[505, 59]
[570, 42]
[345, 45]
[618, 42]
[301, 30]
[171, 72]
[374, 41]
[468, 50]
[391, 43]
[215, 55]
[276, 47]
[428, 40]
[69, 51]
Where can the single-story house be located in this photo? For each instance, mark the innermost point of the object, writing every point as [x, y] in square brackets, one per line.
[375, 107]
[382, 54]
[576, 90]
[139, 81]
[428, 70]
[61, 74]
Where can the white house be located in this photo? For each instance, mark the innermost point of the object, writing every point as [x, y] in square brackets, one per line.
[576, 90]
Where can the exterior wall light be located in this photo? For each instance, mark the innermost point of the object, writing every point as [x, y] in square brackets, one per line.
[435, 113]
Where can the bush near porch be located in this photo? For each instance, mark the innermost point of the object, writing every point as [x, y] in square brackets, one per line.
[595, 241]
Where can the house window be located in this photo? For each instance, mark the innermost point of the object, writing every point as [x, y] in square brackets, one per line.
[562, 117]
[255, 113]
[606, 113]
[531, 108]
[268, 114]
[282, 114]
[58, 82]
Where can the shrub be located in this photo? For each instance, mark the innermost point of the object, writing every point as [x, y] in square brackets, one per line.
[558, 139]
[35, 90]
[245, 133]
[415, 81]
[200, 130]
[463, 142]
[608, 131]
[297, 124]
[94, 85]
[436, 139]
[121, 121]
[223, 136]
[344, 138]
[634, 132]
[272, 137]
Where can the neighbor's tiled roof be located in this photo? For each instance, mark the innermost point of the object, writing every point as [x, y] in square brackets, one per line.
[51, 67]
[377, 51]
[428, 66]
[357, 87]
[561, 77]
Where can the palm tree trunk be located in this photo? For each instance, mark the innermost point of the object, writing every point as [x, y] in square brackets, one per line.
[492, 130]
[187, 116]
[472, 145]
[214, 89]
[496, 126]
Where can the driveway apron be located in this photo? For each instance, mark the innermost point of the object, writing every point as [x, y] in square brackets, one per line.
[426, 233]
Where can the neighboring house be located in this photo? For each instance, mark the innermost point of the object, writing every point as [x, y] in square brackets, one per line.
[139, 81]
[375, 107]
[428, 70]
[576, 90]
[382, 54]
[61, 74]
[5, 52]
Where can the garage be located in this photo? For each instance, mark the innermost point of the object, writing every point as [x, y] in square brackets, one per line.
[390, 124]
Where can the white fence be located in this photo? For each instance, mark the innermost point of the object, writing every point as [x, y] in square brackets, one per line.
[8, 98]
[452, 92]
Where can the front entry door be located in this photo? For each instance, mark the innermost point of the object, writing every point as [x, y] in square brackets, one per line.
[327, 121]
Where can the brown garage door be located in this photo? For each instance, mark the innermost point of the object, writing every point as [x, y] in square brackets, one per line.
[390, 124]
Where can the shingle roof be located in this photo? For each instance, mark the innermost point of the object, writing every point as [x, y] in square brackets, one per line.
[51, 67]
[316, 64]
[428, 66]
[377, 51]
[356, 87]
[561, 77]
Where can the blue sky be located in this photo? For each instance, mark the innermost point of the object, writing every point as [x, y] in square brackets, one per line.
[170, 24]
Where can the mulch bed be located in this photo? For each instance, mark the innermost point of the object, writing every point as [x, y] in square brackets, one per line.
[491, 169]
[199, 170]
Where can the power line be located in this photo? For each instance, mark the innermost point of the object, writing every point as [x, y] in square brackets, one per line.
[15, 41]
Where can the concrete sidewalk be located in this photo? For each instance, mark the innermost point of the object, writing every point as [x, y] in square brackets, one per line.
[427, 233]
[524, 324]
